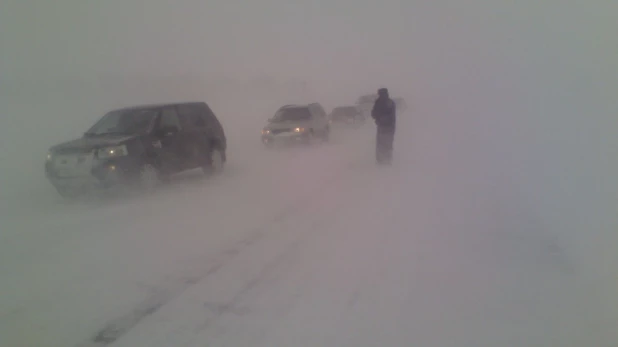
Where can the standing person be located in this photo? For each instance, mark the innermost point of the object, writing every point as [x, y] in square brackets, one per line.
[384, 114]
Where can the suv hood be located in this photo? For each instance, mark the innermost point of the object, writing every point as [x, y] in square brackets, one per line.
[287, 125]
[88, 143]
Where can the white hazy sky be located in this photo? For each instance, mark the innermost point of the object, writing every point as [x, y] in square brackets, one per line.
[242, 38]
[336, 41]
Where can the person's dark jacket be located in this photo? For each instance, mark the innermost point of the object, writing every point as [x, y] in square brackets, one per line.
[384, 113]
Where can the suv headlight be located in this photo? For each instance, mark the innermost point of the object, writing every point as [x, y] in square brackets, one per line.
[111, 152]
[49, 156]
[299, 130]
[265, 131]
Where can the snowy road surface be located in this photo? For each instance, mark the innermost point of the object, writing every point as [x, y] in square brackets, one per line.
[303, 247]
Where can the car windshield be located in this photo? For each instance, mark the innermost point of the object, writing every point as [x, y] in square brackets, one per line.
[131, 121]
[292, 114]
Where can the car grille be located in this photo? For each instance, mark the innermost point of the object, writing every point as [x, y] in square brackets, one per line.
[279, 131]
[73, 165]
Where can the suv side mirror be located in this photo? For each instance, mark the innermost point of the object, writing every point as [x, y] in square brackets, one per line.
[167, 130]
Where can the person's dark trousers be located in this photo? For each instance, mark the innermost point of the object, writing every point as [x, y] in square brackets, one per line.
[384, 144]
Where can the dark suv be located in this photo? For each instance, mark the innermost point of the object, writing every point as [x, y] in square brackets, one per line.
[141, 145]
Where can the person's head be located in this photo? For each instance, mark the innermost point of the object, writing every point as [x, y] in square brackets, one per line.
[383, 93]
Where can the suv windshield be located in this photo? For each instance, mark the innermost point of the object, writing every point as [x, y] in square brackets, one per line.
[292, 114]
[133, 121]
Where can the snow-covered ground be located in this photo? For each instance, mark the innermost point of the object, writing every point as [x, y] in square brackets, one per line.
[308, 247]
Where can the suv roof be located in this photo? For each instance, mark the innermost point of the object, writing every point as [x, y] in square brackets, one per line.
[292, 106]
[160, 105]
[299, 105]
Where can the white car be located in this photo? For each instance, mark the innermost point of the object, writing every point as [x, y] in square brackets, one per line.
[297, 123]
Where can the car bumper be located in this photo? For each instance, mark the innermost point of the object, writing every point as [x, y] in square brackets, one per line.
[285, 138]
[98, 174]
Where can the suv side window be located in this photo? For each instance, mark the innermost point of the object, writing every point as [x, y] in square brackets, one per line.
[207, 115]
[210, 118]
[169, 117]
[191, 116]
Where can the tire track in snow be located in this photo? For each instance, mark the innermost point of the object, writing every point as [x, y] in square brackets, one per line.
[203, 306]
[271, 267]
[118, 327]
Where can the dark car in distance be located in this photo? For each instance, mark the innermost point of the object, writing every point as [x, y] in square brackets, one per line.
[346, 115]
[140, 145]
[364, 103]
[400, 103]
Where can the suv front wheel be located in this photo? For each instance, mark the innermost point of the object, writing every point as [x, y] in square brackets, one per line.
[68, 193]
[150, 177]
[326, 134]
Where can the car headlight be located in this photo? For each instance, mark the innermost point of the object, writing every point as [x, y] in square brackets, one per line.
[265, 131]
[49, 157]
[299, 130]
[110, 152]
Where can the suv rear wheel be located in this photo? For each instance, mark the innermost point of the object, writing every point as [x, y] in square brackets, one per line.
[309, 138]
[215, 162]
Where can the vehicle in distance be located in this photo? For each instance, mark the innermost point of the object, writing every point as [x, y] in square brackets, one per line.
[346, 115]
[400, 104]
[141, 146]
[364, 103]
[297, 123]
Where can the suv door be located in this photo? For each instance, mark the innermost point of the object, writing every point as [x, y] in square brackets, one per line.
[169, 132]
[196, 133]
